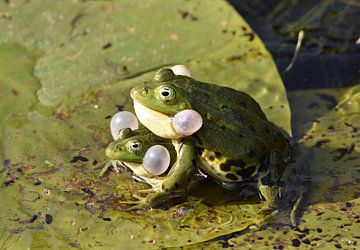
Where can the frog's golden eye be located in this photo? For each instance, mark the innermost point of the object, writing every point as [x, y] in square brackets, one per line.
[134, 146]
[166, 93]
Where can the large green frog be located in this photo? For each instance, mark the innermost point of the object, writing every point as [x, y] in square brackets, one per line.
[236, 143]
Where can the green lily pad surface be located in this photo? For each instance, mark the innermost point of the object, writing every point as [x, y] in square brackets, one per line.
[67, 66]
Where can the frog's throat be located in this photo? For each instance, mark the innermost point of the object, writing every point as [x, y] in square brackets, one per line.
[140, 174]
[158, 123]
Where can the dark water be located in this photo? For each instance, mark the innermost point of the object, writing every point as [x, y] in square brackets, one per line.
[329, 56]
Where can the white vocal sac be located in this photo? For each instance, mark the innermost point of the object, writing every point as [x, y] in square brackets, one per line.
[123, 119]
[180, 70]
[156, 160]
[187, 122]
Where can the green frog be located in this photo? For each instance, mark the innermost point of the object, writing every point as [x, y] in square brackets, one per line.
[129, 150]
[236, 144]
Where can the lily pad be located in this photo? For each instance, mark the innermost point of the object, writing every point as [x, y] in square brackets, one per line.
[96, 42]
[67, 67]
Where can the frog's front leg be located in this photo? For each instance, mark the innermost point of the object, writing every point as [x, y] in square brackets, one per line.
[184, 168]
[107, 165]
[269, 180]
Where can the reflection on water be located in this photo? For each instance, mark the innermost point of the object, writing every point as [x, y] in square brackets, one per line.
[329, 55]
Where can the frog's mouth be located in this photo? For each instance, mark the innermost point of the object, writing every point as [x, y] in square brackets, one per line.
[157, 122]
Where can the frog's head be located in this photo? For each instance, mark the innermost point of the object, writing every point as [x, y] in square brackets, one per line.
[163, 94]
[130, 146]
[156, 102]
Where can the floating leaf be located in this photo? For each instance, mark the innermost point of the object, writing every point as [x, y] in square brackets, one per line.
[66, 67]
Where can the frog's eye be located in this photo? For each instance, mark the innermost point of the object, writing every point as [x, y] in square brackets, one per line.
[134, 146]
[166, 93]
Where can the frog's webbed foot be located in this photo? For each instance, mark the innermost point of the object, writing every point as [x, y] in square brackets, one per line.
[151, 200]
[271, 195]
[107, 166]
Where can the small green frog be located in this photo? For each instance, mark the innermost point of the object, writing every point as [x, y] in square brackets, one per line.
[129, 150]
[236, 144]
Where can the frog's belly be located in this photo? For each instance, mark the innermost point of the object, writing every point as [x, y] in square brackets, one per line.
[227, 170]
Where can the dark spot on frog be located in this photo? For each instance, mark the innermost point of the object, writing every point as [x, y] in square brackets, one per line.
[225, 167]
[78, 158]
[48, 218]
[199, 151]
[217, 154]
[319, 143]
[342, 152]
[338, 245]
[331, 101]
[177, 185]
[231, 177]
[194, 162]
[246, 172]
[108, 117]
[236, 163]
[306, 241]
[106, 219]
[106, 46]
[211, 158]
[296, 242]
[94, 162]
[354, 129]
[119, 107]
[243, 104]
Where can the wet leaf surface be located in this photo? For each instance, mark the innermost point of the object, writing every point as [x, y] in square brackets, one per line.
[66, 67]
